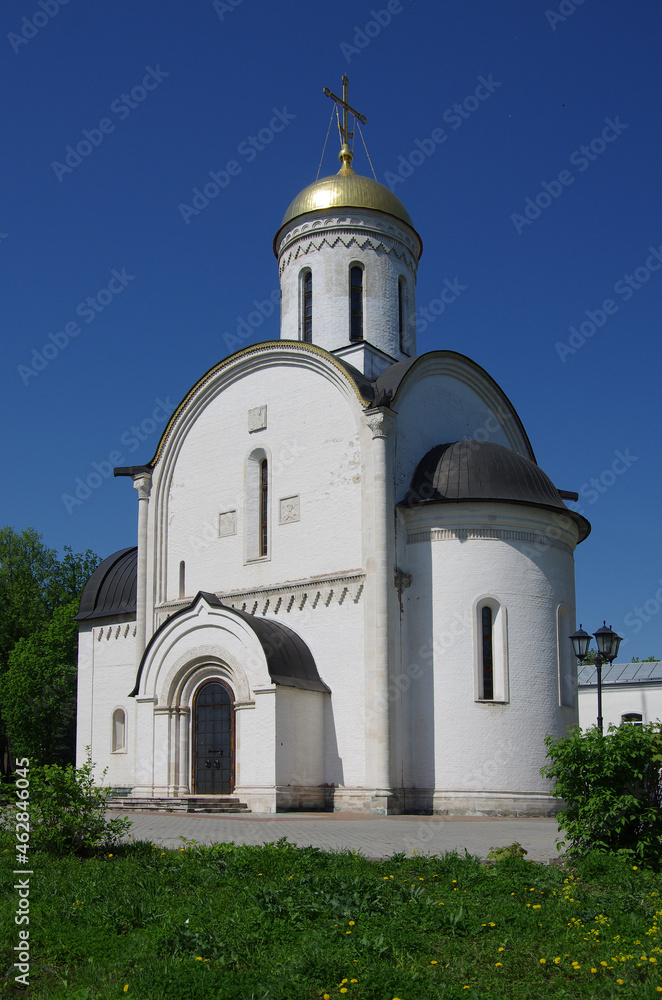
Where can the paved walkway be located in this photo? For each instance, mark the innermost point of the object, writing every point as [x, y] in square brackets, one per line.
[374, 836]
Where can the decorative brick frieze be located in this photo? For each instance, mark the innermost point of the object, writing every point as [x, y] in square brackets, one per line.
[279, 601]
[124, 631]
[346, 238]
[501, 534]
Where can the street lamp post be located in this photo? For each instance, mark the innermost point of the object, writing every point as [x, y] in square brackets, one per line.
[607, 642]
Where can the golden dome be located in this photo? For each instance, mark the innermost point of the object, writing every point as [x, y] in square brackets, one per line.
[347, 189]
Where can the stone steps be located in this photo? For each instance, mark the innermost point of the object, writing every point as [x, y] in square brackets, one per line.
[184, 804]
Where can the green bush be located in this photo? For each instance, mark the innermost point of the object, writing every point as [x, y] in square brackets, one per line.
[612, 790]
[68, 811]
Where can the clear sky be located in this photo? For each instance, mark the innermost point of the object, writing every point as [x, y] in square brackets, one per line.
[524, 138]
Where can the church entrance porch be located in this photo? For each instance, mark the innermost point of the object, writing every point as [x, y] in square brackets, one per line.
[213, 740]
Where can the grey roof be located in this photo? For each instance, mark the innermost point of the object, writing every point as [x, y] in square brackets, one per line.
[483, 470]
[621, 673]
[111, 590]
[289, 661]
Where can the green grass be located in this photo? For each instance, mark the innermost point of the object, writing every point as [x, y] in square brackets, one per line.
[280, 923]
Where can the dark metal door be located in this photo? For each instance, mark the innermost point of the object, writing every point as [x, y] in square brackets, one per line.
[213, 740]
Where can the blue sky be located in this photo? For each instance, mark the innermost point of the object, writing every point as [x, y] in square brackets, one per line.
[522, 136]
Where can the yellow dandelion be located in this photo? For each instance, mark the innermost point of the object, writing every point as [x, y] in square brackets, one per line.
[126, 987]
[344, 989]
[326, 997]
[543, 961]
[497, 964]
[352, 923]
[353, 980]
[501, 949]
[433, 962]
[620, 981]
[110, 855]
[198, 958]
[634, 868]
[594, 970]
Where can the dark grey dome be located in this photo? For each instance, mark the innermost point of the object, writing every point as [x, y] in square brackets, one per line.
[481, 470]
[111, 590]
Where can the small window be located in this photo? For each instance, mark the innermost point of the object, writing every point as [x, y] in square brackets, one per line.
[256, 516]
[487, 654]
[567, 663]
[490, 651]
[119, 730]
[356, 303]
[633, 718]
[264, 505]
[307, 306]
[401, 314]
[182, 579]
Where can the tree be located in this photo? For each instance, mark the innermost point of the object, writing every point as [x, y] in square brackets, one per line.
[38, 693]
[34, 584]
[611, 787]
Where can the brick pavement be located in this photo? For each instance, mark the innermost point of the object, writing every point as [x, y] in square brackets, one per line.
[374, 836]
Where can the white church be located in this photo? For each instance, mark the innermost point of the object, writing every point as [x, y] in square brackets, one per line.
[353, 586]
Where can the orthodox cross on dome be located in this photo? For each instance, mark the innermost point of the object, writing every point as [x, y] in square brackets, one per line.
[345, 134]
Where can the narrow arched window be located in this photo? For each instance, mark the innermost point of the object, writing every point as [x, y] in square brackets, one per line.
[356, 303]
[401, 314]
[182, 579]
[487, 654]
[307, 306]
[119, 730]
[264, 506]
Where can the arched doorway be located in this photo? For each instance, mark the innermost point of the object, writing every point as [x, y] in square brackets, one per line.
[213, 739]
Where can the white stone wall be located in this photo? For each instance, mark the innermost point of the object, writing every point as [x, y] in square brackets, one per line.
[106, 675]
[311, 441]
[386, 248]
[618, 700]
[457, 555]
